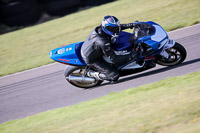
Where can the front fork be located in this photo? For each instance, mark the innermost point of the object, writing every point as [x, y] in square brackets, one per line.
[169, 44]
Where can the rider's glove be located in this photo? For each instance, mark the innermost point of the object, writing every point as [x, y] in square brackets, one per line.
[137, 24]
[142, 25]
[131, 25]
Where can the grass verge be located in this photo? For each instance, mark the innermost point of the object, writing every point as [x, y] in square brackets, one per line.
[167, 106]
[29, 48]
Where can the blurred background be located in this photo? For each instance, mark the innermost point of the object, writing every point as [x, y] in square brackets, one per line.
[17, 14]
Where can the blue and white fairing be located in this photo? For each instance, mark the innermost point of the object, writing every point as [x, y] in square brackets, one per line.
[157, 39]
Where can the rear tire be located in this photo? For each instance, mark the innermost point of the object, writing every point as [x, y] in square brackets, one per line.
[78, 71]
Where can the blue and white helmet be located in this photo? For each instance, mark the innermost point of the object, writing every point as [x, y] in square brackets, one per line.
[111, 26]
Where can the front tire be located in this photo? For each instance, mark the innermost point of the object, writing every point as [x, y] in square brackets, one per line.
[79, 71]
[177, 55]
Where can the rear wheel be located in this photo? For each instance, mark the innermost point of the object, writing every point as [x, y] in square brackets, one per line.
[177, 55]
[78, 71]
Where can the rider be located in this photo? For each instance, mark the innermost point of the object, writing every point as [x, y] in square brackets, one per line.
[98, 44]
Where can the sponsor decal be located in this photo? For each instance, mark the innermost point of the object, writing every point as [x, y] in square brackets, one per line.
[124, 52]
[61, 51]
[68, 49]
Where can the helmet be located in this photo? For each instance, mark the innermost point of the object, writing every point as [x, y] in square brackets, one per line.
[111, 26]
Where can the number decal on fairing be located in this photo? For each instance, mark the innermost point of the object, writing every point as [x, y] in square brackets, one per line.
[169, 44]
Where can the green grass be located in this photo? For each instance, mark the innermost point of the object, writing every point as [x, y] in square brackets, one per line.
[29, 48]
[167, 106]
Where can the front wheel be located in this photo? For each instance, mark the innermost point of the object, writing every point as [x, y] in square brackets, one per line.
[75, 76]
[177, 55]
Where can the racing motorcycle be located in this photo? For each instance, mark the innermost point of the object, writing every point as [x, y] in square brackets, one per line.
[152, 48]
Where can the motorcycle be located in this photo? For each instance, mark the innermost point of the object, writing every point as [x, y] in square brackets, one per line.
[152, 48]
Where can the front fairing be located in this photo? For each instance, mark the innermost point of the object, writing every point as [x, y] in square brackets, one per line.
[154, 40]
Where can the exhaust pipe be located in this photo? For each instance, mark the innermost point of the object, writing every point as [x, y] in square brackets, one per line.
[80, 79]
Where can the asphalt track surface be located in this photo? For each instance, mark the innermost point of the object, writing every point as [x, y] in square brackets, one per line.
[44, 88]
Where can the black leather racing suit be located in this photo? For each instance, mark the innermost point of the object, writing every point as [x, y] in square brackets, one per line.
[96, 46]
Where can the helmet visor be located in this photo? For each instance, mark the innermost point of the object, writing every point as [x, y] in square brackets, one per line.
[114, 30]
